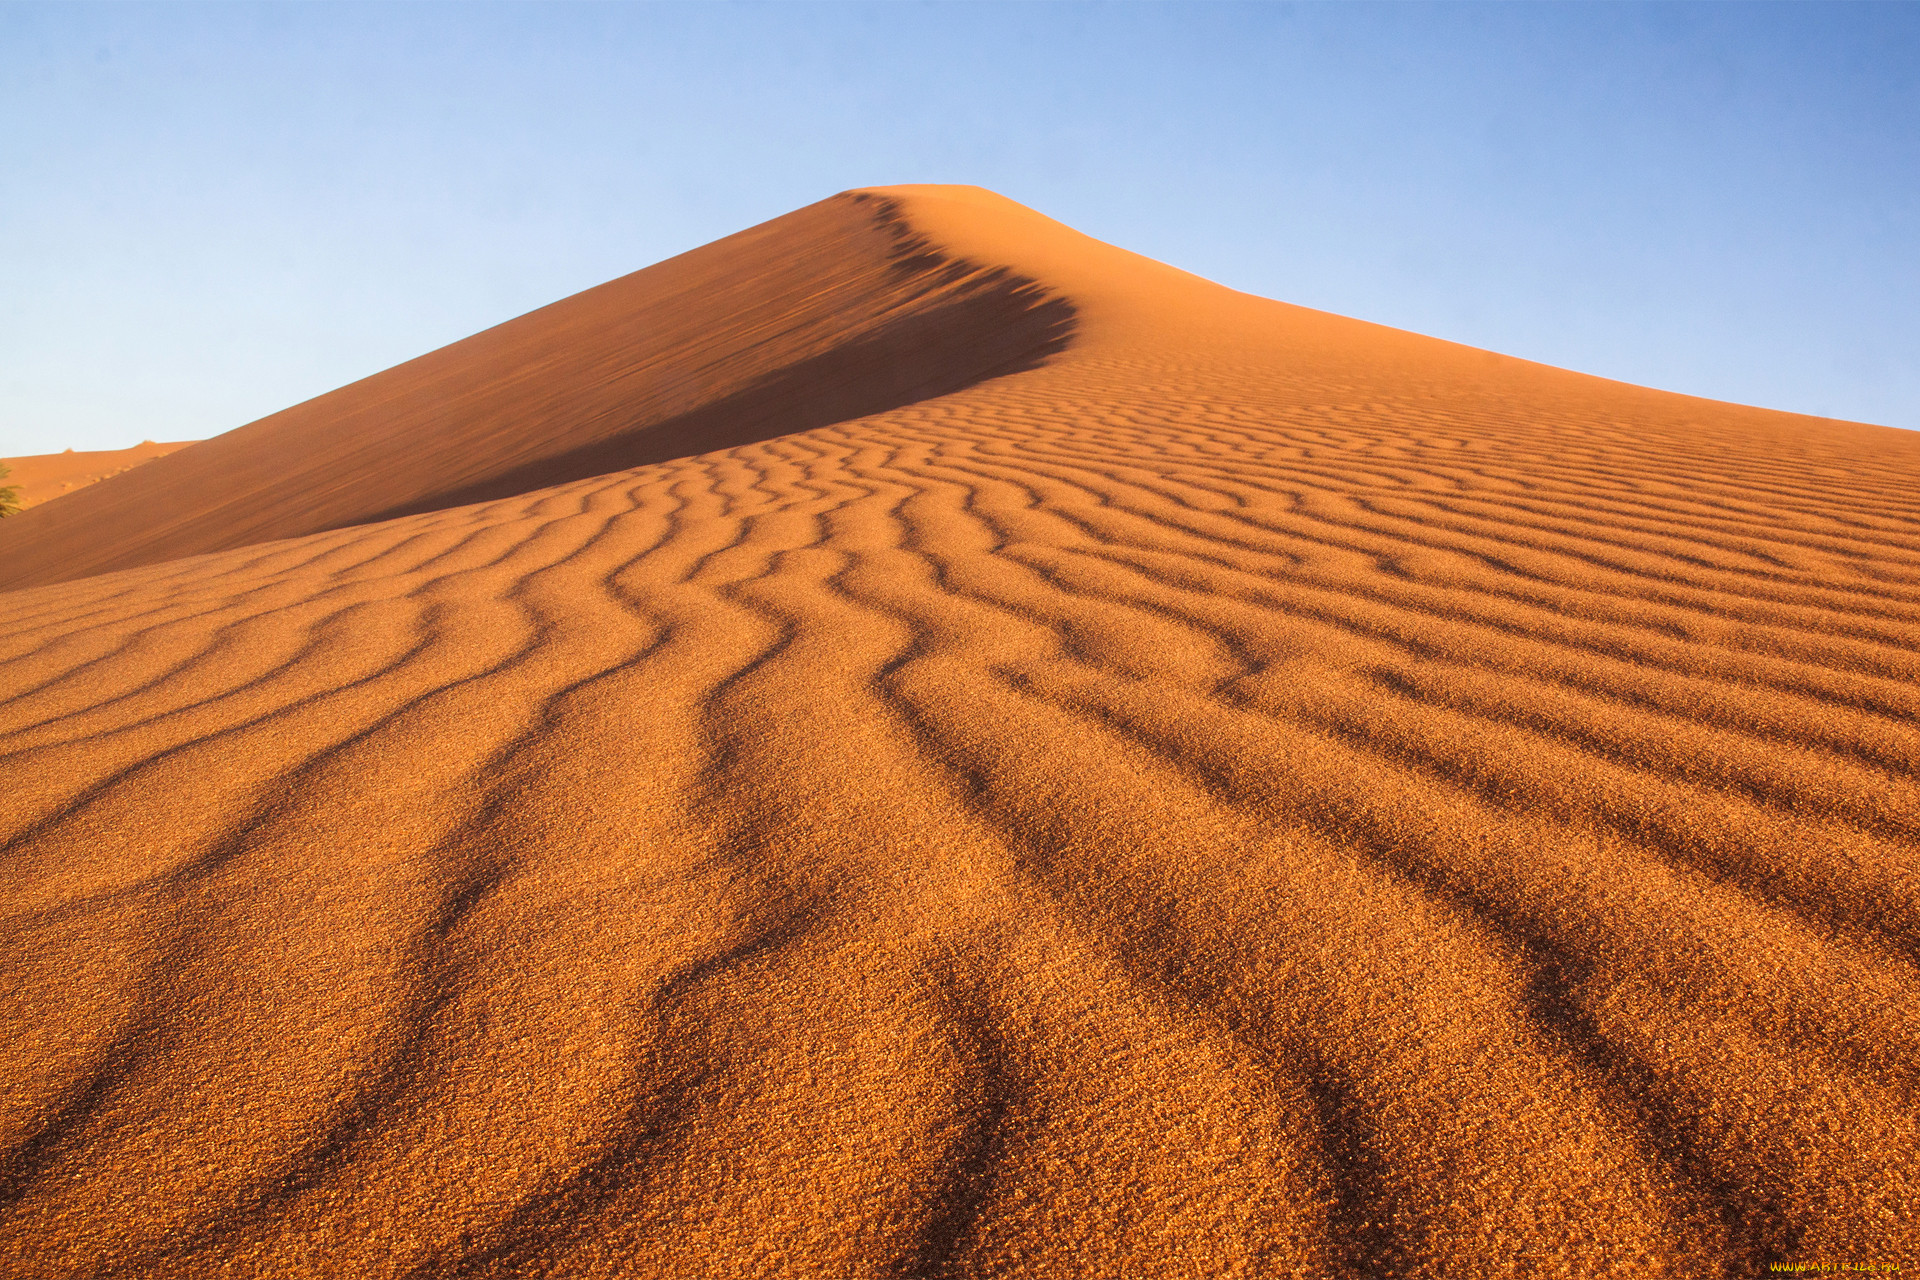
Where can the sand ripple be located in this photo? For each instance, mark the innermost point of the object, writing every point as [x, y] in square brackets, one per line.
[1255, 795]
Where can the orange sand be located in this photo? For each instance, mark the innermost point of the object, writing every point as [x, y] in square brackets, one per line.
[42, 477]
[910, 742]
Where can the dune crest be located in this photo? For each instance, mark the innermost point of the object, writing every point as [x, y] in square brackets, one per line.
[1023, 762]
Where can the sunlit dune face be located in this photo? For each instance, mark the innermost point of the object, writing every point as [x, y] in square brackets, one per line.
[913, 743]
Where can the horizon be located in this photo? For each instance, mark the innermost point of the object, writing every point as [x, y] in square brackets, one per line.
[230, 210]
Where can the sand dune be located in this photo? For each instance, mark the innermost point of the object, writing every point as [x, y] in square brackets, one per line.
[911, 742]
[45, 476]
[836, 311]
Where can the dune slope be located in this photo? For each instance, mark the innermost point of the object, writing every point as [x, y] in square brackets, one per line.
[1171, 784]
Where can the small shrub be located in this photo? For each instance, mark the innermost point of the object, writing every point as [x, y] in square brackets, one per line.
[9, 493]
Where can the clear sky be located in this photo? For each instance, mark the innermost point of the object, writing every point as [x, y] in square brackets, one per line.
[208, 214]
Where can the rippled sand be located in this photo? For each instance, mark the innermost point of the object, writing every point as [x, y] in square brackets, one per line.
[910, 742]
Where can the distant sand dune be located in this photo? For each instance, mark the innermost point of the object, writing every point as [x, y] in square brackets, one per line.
[43, 477]
[1035, 764]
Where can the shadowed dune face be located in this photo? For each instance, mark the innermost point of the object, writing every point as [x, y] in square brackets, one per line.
[832, 312]
[979, 325]
[1255, 794]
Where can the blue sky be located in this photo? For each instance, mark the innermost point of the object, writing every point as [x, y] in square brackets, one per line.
[209, 213]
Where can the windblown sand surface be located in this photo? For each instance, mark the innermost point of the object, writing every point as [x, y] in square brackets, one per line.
[910, 742]
[42, 477]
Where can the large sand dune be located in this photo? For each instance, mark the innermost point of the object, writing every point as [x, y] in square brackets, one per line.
[910, 742]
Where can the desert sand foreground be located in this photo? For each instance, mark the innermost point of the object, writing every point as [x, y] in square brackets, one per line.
[42, 477]
[909, 742]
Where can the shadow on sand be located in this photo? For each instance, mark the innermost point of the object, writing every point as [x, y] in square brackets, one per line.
[996, 324]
